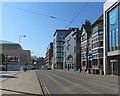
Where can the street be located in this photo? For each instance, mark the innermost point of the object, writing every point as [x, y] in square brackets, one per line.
[69, 82]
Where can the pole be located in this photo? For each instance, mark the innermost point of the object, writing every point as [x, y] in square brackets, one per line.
[19, 55]
[20, 51]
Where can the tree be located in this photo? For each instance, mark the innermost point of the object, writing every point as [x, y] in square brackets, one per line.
[5, 60]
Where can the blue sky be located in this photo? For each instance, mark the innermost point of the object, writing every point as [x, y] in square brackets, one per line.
[33, 20]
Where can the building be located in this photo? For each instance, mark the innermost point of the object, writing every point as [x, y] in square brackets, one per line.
[85, 35]
[78, 50]
[14, 51]
[112, 37]
[49, 54]
[70, 49]
[95, 56]
[40, 62]
[92, 46]
[58, 48]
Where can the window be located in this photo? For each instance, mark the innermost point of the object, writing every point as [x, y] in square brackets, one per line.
[68, 47]
[113, 29]
[101, 43]
[90, 48]
[116, 38]
[110, 41]
[83, 48]
[94, 56]
[101, 62]
[74, 49]
[68, 42]
[95, 62]
[101, 38]
[96, 39]
[83, 63]
[101, 55]
[119, 27]
[113, 37]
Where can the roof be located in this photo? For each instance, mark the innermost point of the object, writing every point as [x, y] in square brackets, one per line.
[59, 30]
[3, 42]
[87, 28]
[98, 20]
[70, 30]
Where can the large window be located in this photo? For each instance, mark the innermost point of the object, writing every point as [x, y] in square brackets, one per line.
[95, 62]
[116, 40]
[119, 27]
[113, 29]
[83, 63]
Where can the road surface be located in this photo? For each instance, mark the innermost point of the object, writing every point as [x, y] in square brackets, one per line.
[69, 82]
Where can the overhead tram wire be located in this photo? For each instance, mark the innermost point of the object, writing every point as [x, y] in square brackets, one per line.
[28, 11]
[36, 13]
[77, 15]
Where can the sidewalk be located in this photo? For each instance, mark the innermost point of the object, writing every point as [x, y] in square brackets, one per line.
[25, 83]
[6, 75]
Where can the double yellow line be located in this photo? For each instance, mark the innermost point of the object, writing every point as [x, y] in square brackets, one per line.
[45, 89]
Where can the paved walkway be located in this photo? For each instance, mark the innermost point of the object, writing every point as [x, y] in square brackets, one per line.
[25, 83]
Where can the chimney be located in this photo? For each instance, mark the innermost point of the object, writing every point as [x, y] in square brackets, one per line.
[87, 22]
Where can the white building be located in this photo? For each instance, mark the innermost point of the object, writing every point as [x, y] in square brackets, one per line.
[70, 49]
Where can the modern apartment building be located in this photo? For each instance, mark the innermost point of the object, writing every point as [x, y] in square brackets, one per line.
[112, 37]
[58, 48]
[70, 49]
[49, 54]
[13, 53]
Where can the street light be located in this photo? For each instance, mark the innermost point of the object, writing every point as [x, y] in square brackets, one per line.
[19, 50]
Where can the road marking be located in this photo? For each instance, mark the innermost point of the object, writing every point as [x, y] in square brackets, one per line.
[46, 89]
[60, 84]
[80, 86]
[42, 84]
[96, 84]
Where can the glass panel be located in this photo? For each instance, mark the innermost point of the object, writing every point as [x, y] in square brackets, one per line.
[116, 38]
[110, 41]
[119, 27]
[113, 29]
[113, 40]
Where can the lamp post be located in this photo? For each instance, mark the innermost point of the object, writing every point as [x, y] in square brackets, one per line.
[20, 50]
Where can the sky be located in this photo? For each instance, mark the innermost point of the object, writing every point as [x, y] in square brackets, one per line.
[34, 20]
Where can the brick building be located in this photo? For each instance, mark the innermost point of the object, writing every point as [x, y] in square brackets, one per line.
[85, 35]
[96, 46]
[92, 46]
[49, 54]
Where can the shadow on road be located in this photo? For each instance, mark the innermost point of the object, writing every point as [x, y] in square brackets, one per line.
[19, 93]
[6, 76]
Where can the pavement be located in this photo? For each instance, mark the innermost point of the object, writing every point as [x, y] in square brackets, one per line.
[57, 82]
[20, 83]
[70, 82]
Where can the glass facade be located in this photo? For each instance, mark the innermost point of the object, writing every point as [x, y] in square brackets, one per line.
[113, 29]
[119, 28]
